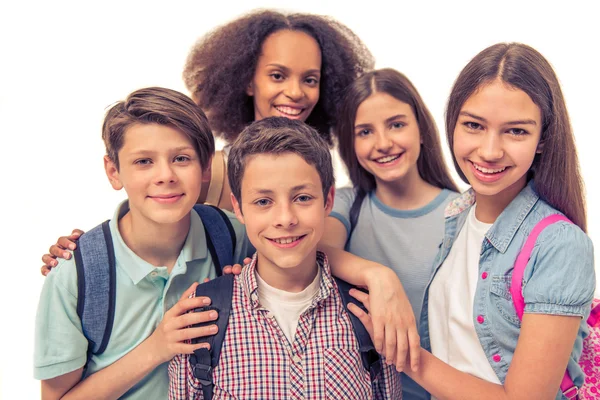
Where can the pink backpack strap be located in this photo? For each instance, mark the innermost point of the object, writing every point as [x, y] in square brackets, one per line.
[516, 291]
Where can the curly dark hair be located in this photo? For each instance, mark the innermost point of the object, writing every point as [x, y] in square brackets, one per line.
[222, 63]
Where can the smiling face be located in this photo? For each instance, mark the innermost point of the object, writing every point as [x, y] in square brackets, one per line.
[386, 138]
[496, 138]
[284, 211]
[287, 76]
[160, 171]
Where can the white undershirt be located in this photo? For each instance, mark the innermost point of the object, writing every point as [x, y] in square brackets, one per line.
[287, 307]
[451, 329]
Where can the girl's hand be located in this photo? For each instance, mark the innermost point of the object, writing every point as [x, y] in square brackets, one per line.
[61, 249]
[235, 269]
[391, 320]
[172, 336]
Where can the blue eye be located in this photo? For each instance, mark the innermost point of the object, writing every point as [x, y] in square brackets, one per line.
[182, 158]
[262, 202]
[398, 125]
[143, 161]
[303, 198]
[518, 132]
[472, 125]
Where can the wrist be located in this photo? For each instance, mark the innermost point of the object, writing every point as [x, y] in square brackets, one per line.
[375, 275]
[155, 351]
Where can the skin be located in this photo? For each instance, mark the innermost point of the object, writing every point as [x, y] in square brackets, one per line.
[490, 132]
[160, 172]
[287, 76]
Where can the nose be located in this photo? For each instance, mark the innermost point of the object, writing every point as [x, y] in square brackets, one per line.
[285, 216]
[293, 90]
[165, 173]
[490, 148]
[383, 142]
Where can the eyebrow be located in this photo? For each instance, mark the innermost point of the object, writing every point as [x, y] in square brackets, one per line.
[293, 189]
[175, 150]
[286, 69]
[517, 122]
[387, 121]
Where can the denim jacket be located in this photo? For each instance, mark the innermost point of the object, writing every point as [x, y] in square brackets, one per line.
[559, 278]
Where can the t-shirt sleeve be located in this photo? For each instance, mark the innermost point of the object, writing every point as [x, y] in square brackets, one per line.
[560, 278]
[60, 346]
[344, 197]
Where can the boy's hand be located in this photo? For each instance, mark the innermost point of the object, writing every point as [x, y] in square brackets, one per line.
[392, 322]
[61, 249]
[174, 332]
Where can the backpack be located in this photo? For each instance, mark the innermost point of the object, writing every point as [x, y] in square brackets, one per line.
[589, 360]
[96, 272]
[220, 291]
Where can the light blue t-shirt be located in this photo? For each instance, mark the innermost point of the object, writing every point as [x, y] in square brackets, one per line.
[143, 294]
[407, 241]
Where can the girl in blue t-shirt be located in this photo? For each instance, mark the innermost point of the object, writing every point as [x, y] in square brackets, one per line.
[511, 139]
[394, 213]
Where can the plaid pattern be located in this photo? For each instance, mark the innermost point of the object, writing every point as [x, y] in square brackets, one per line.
[258, 362]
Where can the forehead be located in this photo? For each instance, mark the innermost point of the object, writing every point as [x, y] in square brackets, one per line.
[279, 173]
[292, 49]
[498, 101]
[380, 106]
[139, 137]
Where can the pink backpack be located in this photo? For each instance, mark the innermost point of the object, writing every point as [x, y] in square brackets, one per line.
[590, 356]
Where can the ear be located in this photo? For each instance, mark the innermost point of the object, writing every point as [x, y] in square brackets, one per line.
[112, 173]
[250, 89]
[237, 209]
[329, 200]
[540, 147]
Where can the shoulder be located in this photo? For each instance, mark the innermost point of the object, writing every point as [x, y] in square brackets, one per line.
[346, 194]
[63, 278]
[238, 227]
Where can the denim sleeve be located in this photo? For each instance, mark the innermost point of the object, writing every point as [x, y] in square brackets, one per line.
[560, 277]
[344, 197]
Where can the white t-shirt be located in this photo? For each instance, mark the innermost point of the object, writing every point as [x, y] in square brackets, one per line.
[287, 307]
[451, 296]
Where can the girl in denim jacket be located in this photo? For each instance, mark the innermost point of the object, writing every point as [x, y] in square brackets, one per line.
[509, 131]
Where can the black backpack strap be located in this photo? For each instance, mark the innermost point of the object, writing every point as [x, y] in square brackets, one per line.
[96, 286]
[220, 235]
[355, 210]
[203, 361]
[370, 357]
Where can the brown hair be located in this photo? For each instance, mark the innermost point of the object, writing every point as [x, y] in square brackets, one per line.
[556, 170]
[221, 65]
[161, 106]
[278, 135]
[430, 163]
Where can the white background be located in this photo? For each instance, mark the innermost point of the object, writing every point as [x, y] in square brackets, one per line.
[62, 64]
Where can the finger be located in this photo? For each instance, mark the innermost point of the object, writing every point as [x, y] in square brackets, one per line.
[227, 269]
[362, 297]
[401, 350]
[415, 348]
[185, 348]
[206, 280]
[189, 319]
[76, 234]
[237, 269]
[247, 260]
[364, 318]
[60, 252]
[49, 260]
[189, 291]
[45, 270]
[196, 332]
[66, 243]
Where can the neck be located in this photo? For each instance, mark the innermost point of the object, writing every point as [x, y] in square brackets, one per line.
[409, 193]
[290, 279]
[489, 208]
[158, 244]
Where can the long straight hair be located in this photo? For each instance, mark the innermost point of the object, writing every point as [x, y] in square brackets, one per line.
[430, 164]
[555, 170]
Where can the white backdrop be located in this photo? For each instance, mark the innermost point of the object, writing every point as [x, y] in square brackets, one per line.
[63, 63]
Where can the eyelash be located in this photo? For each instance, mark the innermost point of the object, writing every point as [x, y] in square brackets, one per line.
[278, 77]
[513, 131]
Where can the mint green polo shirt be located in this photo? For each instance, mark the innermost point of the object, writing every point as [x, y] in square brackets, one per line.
[143, 294]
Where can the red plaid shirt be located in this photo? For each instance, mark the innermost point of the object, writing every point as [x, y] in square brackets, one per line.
[258, 362]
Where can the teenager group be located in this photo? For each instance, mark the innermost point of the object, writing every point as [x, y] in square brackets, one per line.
[281, 90]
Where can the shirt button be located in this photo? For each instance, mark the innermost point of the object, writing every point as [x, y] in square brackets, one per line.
[296, 359]
[496, 358]
[480, 319]
[153, 274]
[484, 275]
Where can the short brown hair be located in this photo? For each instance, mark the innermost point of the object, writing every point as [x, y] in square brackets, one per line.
[160, 106]
[555, 170]
[279, 135]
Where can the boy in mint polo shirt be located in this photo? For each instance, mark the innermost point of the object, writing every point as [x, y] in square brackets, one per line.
[158, 142]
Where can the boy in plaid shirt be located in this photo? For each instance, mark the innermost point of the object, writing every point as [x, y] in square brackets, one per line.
[289, 335]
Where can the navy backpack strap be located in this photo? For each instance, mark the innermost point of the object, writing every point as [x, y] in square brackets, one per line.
[220, 236]
[96, 279]
[203, 361]
[370, 357]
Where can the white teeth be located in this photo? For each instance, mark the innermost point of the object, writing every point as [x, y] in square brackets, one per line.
[289, 110]
[488, 170]
[286, 240]
[387, 159]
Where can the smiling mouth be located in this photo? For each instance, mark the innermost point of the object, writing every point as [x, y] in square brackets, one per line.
[287, 240]
[387, 159]
[490, 171]
[289, 111]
